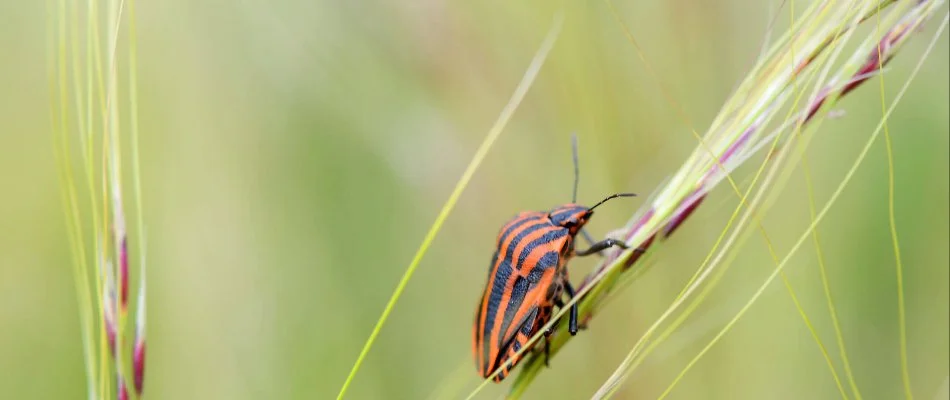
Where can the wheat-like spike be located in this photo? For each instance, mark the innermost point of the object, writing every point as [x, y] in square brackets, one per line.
[738, 133]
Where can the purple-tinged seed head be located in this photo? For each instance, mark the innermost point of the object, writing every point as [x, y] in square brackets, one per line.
[731, 151]
[123, 275]
[138, 346]
[638, 252]
[869, 66]
[138, 365]
[647, 216]
[108, 314]
[684, 212]
[873, 64]
[874, 60]
[822, 96]
[740, 143]
[818, 50]
[110, 336]
[122, 391]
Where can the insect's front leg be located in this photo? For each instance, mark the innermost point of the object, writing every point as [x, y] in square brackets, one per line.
[590, 240]
[601, 245]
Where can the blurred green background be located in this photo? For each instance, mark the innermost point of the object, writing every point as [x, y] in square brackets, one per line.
[296, 152]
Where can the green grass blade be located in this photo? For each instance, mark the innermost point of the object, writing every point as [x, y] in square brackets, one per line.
[826, 286]
[905, 373]
[526, 81]
[820, 215]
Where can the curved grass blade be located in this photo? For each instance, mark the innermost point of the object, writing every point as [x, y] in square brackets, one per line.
[506, 113]
[58, 117]
[826, 286]
[902, 318]
[821, 214]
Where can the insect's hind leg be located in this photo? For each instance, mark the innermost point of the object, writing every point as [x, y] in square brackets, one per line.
[547, 351]
[549, 331]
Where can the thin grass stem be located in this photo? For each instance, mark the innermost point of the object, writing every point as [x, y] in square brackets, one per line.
[56, 72]
[826, 286]
[902, 318]
[821, 214]
[527, 80]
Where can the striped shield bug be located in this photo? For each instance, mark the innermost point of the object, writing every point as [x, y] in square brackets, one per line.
[528, 277]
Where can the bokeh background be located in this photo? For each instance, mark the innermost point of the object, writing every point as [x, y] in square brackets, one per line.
[296, 152]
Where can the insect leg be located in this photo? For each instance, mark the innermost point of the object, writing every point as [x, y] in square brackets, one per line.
[601, 245]
[549, 331]
[590, 239]
[547, 351]
[572, 325]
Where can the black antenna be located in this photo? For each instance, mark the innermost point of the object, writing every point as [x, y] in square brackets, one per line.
[613, 196]
[577, 171]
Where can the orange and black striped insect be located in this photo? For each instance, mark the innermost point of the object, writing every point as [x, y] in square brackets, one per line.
[528, 277]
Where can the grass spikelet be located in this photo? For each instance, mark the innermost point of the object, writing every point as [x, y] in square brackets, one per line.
[804, 57]
[122, 390]
[94, 118]
[138, 341]
[108, 301]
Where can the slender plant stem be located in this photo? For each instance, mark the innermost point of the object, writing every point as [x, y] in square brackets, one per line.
[527, 80]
